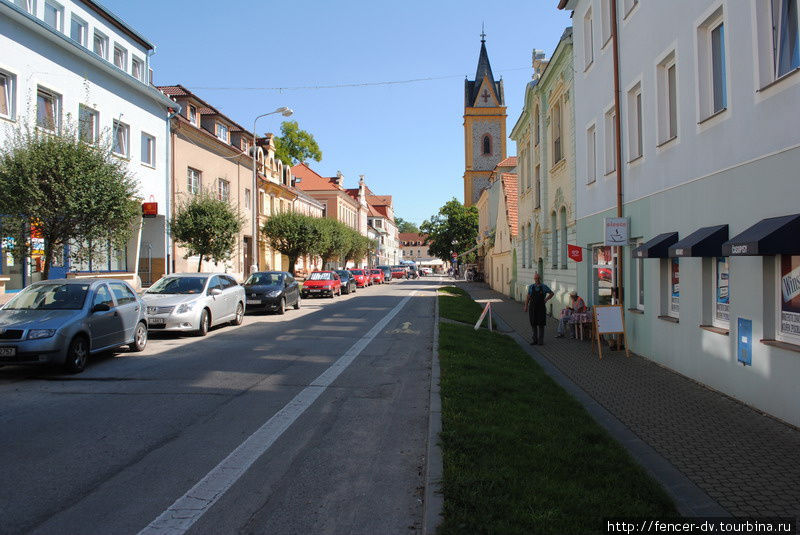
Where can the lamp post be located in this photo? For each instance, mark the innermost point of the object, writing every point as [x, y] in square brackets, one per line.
[286, 112]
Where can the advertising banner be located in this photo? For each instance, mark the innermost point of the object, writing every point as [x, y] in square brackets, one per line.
[790, 295]
[675, 287]
[722, 298]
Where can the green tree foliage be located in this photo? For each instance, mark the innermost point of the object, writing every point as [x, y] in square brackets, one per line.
[292, 234]
[360, 248]
[206, 226]
[453, 223]
[294, 145]
[335, 240]
[405, 226]
[71, 191]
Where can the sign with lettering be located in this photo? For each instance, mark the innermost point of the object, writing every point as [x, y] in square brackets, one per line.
[149, 209]
[616, 230]
[744, 353]
[790, 295]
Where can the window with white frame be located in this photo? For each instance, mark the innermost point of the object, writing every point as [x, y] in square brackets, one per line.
[121, 144]
[193, 114]
[137, 69]
[611, 141]
[555, 117]
[588, 39]
[530, 246]
[222, 131]
[554, 240]
[635, 122]
[602, 274]
[79, 30]
[100, 44]
[667, 86]
[7, 95]
[536, 132]
[524, 245]
[120, 57]
[88, 124]
[54, 15]
[48, 109]
[27, 5]
[193, 181]
[148, 149]
[637, 269]
[223, 190]
[537, 175]
[563, 244]
[247, 198]
[788, 296]
[605, 21]
[786, 39]
[591, 155]
[720, 311]
[712, 70]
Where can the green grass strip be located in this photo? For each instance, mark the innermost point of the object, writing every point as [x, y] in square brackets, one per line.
[521, 456]
[457, 305]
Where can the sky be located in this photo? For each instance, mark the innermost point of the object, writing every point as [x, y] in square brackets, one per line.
[407, 139]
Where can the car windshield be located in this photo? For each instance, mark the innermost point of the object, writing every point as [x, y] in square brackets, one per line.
[321, 276]
[356, 272]
[179, 285]
[265, 278]
[50, 297]
[343, 273]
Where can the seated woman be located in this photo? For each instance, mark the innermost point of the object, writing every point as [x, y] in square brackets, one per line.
[576, 306]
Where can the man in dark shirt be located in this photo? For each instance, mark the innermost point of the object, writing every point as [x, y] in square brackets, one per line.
[538, 295]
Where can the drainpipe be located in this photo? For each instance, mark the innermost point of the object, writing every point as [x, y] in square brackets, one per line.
[170, 191]
[618, 141]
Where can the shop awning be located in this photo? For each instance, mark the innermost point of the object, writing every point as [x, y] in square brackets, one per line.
[658, 247]
[705, 242]
[771, 236]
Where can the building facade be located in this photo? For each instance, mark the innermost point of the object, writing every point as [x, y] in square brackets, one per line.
[710, 150]
[74, 63]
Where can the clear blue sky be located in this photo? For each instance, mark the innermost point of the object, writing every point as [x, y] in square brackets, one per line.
[407, 139]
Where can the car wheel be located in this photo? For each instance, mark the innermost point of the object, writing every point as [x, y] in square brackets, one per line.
[239, 317]
[297, 303]
[139, 338]
[205, 323]
[282, 306]
[333, 293]
[77, 355]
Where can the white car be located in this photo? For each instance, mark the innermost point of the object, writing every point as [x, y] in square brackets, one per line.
[426, 270]
[194, 302]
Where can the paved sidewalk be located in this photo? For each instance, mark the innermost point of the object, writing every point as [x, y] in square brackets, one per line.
[747, 462]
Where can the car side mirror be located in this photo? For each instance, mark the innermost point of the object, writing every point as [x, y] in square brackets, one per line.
[214, 291]
[101, 307]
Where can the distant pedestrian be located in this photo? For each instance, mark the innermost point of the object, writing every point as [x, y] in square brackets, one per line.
[538, 296]
[576, 306]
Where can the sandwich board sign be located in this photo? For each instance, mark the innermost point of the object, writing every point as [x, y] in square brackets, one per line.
[608, 319]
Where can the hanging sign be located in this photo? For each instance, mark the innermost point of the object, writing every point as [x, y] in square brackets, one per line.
[149, 209]
[616, 231]
[575, 252]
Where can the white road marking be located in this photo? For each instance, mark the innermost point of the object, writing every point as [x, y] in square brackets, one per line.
[187, 509]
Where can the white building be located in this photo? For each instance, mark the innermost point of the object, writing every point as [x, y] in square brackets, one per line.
[75, 62]
[710, 147]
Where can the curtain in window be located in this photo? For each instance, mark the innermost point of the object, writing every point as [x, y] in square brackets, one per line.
[4, 95]
[121, 140]
[45, 111]
[787, 55]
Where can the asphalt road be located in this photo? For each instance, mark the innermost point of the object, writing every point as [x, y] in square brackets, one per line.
[253, 419]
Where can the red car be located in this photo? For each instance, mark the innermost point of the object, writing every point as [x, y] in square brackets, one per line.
[376, 275]
[398, 273]
[321, 283]
[363, 279]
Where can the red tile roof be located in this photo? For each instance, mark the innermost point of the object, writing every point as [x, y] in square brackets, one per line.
[511, 161]
[411, 236]
[509, 181]
[378, 211]
[380, 200]
[311, 180]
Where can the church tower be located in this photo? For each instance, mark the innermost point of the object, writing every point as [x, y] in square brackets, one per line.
[484, 127]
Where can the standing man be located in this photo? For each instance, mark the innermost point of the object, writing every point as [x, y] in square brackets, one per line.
[538, 295]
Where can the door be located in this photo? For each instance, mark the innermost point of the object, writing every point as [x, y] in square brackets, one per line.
[292, 292]
[104, 326]
[216, 303]
[230, 290]
[128, 307]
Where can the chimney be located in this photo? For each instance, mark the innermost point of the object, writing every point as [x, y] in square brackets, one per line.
[339, 178]
[362, 190]
[538, 62]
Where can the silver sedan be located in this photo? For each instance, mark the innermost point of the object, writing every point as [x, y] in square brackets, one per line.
[194, 302]
[63, 321]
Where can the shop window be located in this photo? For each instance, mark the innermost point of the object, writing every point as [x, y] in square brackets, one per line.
[721, 305]
[671, 288]
[637, 278]
[602, 274]
[788, 320]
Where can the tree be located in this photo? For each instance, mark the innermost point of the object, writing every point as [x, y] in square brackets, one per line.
[453, 229]
[360, 247]
[405, 226]
[295, 145]
[335, 240]
[67, 191]
[292, 234]
[206, 226]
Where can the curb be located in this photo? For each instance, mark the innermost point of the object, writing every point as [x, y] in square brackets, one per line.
[433, 500]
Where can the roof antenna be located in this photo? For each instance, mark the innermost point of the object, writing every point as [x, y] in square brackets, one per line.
[483, 33]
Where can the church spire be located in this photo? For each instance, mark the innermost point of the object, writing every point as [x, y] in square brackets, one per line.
[484, 71]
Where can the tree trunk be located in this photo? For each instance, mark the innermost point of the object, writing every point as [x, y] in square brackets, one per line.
[200, 264]
[292, 261]
[48, 256]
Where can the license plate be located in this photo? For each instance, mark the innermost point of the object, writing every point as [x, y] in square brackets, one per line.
[314, 291]
[8, 351]
[157, 321]
[253, 302]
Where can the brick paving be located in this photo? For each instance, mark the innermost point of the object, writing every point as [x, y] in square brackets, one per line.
[747, 462]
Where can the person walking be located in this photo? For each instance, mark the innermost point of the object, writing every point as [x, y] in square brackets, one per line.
[538, 296]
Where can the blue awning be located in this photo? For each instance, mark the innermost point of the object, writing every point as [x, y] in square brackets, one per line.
[704, 242]
[771, 236]
[658, 247]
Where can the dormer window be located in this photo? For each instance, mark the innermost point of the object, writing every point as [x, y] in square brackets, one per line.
[137, 69]
[120, 57]
[222, 132]
[487, 144]
[193, 114]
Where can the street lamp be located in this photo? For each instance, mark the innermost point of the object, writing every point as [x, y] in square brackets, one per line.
[286, 112]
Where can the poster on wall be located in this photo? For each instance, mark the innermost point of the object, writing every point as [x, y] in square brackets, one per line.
[675, 287]
[722, 301]
[744, 345]
[790, 295]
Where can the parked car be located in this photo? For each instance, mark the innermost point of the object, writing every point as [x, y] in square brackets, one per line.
[194, 302]
[387, 273]
[271, 291]
[63, 321]
[398, 272]
[321, 283]
[361, 277]
[426, 271]
[376, 275]
[348, 281]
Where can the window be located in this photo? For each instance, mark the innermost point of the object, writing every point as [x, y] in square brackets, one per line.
[788, 319]
[137, 69]
[588, 39]
[100, 45]
[605, 15]
[524, 245]
[193, 114]
[223, 190]
[786, 40]
[222, 132]
[193, 181]
[628, 6]
[54, 15]
[635, 122]
[536, 126]
[554, 240]
[591, 155]
[27, 5]
[247, 198]
[530, 247]
[48, 110]
[602, 270]
[638, 277]
[711, 65]
[7, 95]
[563, 244]
[79, 30]
[537, 176]
[673, 287]
[120, 57]
[666, 74]
[121, 140]
[88, 124]
[487, 144]
[718, 67]
[556, 118]
[148, 150]
[103, 297]
[611, 142]
[123, 294]
[721, 315]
